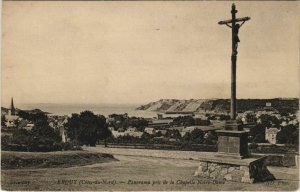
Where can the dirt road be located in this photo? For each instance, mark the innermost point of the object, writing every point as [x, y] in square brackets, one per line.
[135, 170]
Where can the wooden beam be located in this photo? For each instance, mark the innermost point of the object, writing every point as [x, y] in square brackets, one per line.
[236, 20]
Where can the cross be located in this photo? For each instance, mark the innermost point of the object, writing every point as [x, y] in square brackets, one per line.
[235, 25]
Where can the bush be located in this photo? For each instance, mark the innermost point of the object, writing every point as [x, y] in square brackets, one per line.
[268, 149]
[41, 138]
[253, 146]
[14, 147]
[69, 146]
[44, 145]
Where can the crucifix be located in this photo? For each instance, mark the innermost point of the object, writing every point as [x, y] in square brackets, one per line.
[236, 24]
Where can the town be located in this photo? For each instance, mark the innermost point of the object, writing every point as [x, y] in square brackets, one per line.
[269, 130]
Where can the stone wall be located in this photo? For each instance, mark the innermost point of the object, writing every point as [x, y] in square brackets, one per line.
[239, 173]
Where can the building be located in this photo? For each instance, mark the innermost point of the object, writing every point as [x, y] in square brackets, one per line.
[129, 132]
[12, 110]
[202, 128]
[131, 129]
[150, 130]
[137, 134]
[159, 123]
[162, 131]
[11, 118]
[117, 134]
[271, 134]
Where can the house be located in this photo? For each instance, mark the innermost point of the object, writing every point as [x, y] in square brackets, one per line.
[283, 123]
[117, 134]
[156, 123]
[137, 134]
[131, 129]
[179, 128]
[150, 130]
[201, 116]
[162, 131]
[129, 132]
[22, 123]
[11, 120]
[203, 128]
[29, 126]
[271, 134]
[293, 122]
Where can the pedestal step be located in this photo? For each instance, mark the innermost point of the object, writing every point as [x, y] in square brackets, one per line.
[244, 172]
[233, 125]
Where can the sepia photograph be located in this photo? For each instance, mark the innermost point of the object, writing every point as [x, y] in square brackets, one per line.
[150, 95]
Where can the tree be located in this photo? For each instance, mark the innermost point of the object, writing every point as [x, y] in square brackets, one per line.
[187, 137]
[146, 138]
[173, 133]
[3, 120]
[87, 128]
[250, 117]
[197, 136]
[258, 133]
[268, 120]
[139, 123]
[211, 138]
[42, 137]
[288, 135]
[184, 120]
[224, 117]
[33, 117]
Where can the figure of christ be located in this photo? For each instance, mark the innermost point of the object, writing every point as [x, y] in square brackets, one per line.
[236, 39]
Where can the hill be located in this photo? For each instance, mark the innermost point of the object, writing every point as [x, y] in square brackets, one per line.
[33, 111]
[220, 105]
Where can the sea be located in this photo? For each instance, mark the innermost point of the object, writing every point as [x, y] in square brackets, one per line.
[101, 109]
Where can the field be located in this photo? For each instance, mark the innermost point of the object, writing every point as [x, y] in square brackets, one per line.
[137, 169]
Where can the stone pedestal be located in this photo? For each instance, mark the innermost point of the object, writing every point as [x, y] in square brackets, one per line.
[233, 125]
[240, 170]
[232, 144]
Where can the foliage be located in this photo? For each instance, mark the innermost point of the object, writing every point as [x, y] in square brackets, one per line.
[269, 120]
[69, 146]
[224, 117]
[33, 117]
[186, 138]
[146, 137]
[197, 136]
[87, 128]
[184, 121]
[3, 120]
[41, 138]
[250, 117]
[211, 138]
[173, 133]
[257, 134]
[123, 121]
[253, 146]
[288, 135]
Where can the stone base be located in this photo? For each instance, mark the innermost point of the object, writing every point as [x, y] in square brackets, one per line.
[233, 125]
[247, 170]
[233, 144]
[231, 155]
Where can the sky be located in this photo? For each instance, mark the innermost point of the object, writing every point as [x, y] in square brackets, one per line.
[138, 52]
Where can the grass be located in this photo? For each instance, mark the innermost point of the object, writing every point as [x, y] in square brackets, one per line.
[133, 173]
[22, 160]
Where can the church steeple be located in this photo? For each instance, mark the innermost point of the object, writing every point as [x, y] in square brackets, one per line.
[12, 107]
